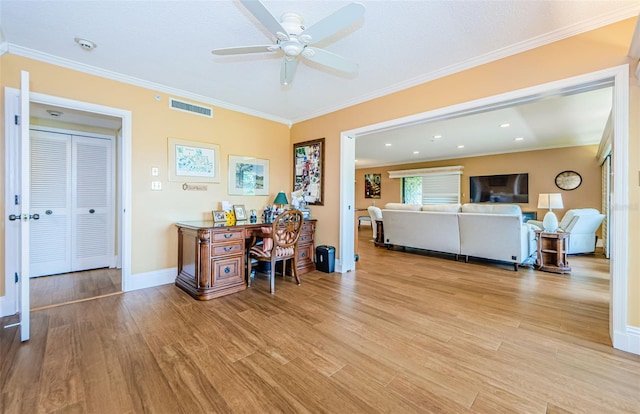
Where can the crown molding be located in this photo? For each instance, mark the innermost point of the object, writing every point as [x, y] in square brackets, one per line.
[92, 70]
[554, 36]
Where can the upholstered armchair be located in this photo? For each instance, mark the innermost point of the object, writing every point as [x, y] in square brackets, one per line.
[582, 224]
[376, 214]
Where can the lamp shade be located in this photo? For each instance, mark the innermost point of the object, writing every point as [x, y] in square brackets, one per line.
[281, 199]
[550, 200]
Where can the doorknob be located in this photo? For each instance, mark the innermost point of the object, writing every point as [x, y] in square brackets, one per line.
[92, 211]
[13, 217]
[34, 216]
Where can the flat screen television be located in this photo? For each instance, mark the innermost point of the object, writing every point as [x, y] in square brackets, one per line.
[504, 188]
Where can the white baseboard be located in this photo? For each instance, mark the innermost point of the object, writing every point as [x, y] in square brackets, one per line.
[7, 307]
[628, 341]
[151, 279]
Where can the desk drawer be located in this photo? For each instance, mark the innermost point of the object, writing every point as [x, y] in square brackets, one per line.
[227, 271]
[228, 235]
[226, 249]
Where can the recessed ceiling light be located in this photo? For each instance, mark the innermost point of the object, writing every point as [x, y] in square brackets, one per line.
[460, 146]
[437, 136]
[85, 44]
[387, 145]
[505, 125]
[518, 139]
[416, 152]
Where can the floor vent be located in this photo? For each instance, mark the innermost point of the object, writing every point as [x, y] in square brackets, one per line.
[189, 107]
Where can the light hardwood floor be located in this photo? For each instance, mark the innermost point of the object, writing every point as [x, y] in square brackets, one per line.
[54, 290]
[404, 333]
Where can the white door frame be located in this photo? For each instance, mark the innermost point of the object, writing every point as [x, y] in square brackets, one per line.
[621, 334]
[123, 151]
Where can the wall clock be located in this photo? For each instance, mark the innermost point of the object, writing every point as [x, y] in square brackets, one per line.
[568, 180]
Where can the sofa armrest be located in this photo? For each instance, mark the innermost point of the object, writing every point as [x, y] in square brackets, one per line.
[536, 224]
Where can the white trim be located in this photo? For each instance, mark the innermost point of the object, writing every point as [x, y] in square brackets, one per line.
[619, 76]
[339, 267]
[347, 205]
[154, 278]
[81, 67]
[456, 169]
[628, 341]
[7, 307]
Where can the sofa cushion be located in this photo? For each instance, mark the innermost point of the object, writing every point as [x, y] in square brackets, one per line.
[506, 209]
[448, 208]
[402, 206]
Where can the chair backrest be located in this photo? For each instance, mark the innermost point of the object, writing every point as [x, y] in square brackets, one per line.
[286, 228]
[581, 220]
[375, 213]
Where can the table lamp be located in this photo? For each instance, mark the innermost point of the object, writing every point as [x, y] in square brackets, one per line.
[550, 201]
[281, 200]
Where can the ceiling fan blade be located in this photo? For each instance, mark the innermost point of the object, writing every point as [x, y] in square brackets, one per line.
[265, 17]
[329, 59]
[245, 49]
[288, 70]
[335, 22]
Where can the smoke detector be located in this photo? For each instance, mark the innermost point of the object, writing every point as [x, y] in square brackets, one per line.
[85, 44]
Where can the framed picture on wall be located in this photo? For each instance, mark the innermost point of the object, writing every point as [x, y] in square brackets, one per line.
[248, 176]
[372, 185]
[193, 161]
[308, 162]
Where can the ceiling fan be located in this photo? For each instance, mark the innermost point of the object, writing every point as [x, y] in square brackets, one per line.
[292, 38]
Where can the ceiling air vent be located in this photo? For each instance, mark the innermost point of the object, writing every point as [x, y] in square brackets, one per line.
[189, 107]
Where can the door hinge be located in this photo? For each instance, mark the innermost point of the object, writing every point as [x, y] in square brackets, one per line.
[16, 199]
[16, 119]
[17, 277]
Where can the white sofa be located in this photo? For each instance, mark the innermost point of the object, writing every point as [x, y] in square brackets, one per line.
[581, 224]
[489, 231]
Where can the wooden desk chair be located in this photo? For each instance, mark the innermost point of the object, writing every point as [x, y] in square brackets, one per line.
[279, 245]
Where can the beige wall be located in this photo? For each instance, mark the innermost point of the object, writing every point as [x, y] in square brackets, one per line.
[154, 237]
[585, 53]
[542, 167]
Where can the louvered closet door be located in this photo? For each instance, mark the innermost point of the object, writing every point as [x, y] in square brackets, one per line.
[91, 182]
[50, 235]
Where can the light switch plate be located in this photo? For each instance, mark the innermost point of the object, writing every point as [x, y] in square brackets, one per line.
[154, 171]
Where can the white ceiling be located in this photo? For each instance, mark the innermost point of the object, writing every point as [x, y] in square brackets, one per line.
[166, 45]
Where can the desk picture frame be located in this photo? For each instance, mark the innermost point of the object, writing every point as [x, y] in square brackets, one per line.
[219, 216]
[308, 163]
[239, 212]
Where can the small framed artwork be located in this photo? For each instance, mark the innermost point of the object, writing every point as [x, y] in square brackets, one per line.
[194, 161]
[248, 176]
[239, 212]
[308, 165]
[219, 217]
[372, 187]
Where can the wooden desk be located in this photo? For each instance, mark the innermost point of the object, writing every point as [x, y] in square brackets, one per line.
[552, 252]
[212, 258]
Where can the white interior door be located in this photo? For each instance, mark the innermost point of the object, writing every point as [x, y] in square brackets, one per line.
[92, 224]
[23, 270]
[51, 202]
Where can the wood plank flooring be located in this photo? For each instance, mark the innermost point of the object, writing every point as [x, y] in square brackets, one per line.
[72, 287]
[405, 333]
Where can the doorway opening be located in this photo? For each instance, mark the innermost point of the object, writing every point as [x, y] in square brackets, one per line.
[618, 78]
[89, 119]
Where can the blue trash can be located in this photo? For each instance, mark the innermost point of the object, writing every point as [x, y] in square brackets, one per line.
[325, 258]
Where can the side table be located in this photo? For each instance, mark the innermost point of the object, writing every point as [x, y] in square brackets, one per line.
[552, 252]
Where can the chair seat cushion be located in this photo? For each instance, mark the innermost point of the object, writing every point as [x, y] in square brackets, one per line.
[258, 251]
